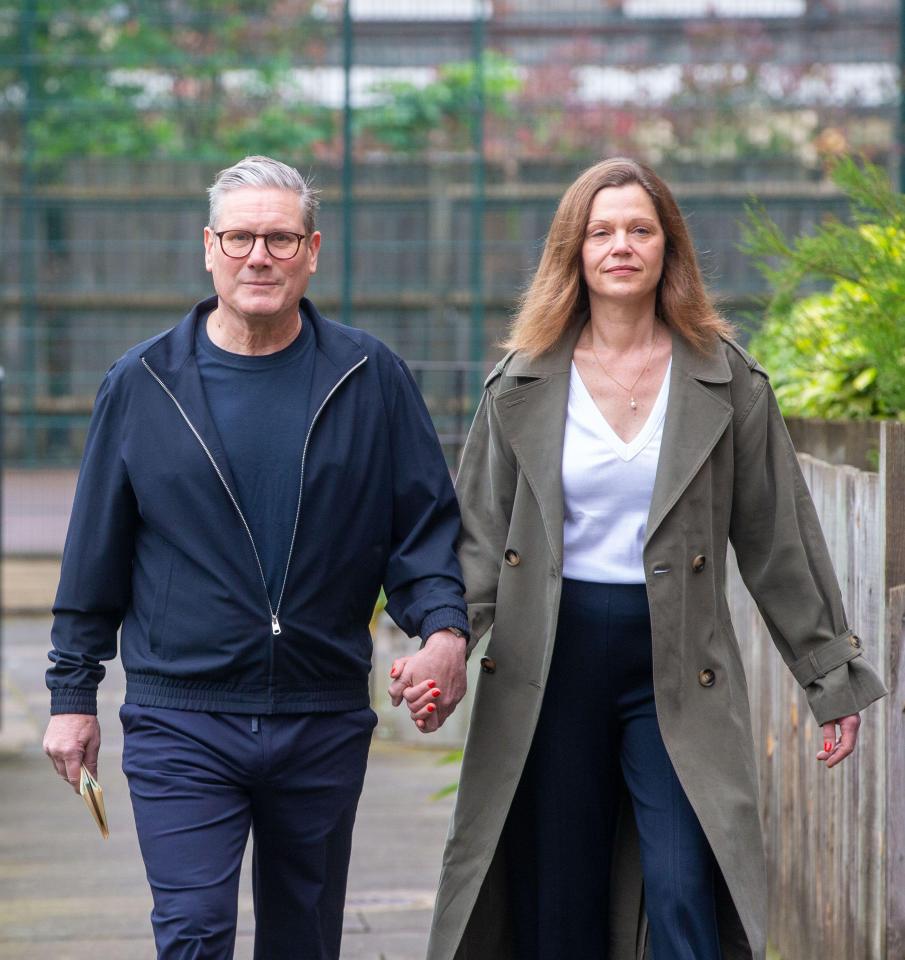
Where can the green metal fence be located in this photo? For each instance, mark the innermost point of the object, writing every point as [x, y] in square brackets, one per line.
[441, 134]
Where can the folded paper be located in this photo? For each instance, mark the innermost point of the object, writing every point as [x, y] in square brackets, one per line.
[93, 796]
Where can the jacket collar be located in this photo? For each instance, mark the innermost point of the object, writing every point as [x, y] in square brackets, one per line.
[557, 360]
[533, 418]
[169, 353]
[172, 359]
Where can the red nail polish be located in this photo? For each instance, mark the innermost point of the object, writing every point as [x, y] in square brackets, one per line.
[430, 684]
[393, 672]
[435, 693]
[827, 746]
[431, 708]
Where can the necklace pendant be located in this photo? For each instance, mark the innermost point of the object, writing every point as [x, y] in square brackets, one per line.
[633, 403]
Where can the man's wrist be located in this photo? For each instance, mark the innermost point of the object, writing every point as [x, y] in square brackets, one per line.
[452, 638]
[455, 632]
[444, 618]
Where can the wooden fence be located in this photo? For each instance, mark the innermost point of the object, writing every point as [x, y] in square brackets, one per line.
[836, 838]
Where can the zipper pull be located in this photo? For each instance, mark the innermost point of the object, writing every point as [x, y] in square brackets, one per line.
[275, 625]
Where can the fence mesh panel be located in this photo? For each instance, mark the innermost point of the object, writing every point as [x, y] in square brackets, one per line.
[441, 134]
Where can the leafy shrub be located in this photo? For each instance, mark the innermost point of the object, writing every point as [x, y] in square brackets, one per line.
[839, 353]
[410, 117]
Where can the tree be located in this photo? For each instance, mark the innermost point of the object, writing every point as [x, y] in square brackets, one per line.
[196, 79]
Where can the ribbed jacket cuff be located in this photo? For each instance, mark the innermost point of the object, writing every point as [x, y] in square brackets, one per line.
[73, 700]
[442, 619]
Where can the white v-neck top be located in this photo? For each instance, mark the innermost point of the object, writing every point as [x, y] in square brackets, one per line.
[607, 488]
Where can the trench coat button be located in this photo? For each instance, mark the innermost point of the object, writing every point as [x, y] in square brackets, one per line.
[512, 557]
[488, 664]
[707, 678]
[855, 640]
[698, 563]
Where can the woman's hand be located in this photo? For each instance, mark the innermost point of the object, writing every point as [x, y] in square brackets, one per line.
[432, 681]
[837, 748]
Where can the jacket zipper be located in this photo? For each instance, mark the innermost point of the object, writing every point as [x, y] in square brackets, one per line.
[275, 628]
[298, 509]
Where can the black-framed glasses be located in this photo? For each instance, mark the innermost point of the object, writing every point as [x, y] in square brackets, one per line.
[281, 244]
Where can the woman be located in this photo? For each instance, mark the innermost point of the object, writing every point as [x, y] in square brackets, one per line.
[618, 446]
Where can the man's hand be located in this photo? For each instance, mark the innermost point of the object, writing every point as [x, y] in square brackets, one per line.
[432, 681]
[72, 739]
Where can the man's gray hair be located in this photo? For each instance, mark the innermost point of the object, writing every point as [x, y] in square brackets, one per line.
[263, 172]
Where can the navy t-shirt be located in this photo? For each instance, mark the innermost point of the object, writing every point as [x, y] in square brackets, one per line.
[260, 407]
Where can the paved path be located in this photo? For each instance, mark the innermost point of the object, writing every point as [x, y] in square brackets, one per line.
[65, 894]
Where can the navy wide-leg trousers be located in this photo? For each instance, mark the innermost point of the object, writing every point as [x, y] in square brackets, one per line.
[200, 781]
[597, 729]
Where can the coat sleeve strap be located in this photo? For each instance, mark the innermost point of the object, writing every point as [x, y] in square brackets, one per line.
[818, 663]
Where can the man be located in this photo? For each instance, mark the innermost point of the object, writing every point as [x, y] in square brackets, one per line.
[251, 478]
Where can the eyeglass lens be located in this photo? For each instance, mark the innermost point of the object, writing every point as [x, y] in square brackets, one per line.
[239, 243]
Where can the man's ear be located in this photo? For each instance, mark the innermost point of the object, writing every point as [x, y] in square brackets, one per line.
[209, 240]
[314, 245]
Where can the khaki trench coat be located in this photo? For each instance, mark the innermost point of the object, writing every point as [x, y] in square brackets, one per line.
[727, 471]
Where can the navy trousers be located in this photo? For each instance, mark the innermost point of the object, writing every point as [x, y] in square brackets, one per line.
[597, 730]
[200, 781]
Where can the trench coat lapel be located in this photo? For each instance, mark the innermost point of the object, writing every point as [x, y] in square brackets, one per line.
[696, 418]
[533, 418]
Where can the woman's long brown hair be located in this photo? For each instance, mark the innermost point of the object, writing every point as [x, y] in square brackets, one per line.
[558, 296]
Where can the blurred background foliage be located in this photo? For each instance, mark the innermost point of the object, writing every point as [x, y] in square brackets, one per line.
[441, 134]
[192, 79]
[195, 79]
[839, 352]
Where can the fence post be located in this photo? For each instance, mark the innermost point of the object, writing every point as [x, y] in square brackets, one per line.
[900, 138]
[892, 473]
[892, 469]
[476, 263]
[28, 233]
[348, 160]
[895, 776]
[2, 467]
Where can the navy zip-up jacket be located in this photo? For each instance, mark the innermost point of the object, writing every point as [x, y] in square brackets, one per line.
[157, 544]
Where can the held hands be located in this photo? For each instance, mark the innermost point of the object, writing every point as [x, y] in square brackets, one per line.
[72, 739]
[836, 749]
[432, 681]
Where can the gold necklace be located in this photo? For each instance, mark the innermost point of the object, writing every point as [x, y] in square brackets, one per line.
[632, 402]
